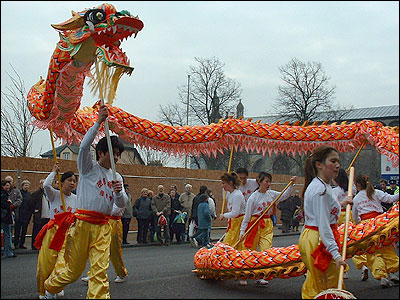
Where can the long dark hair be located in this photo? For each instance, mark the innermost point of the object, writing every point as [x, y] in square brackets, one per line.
[232, 177]
[310, 170]
[342, 180]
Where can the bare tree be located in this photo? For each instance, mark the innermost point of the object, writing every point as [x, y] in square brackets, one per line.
[305, 92]
[211, 96]
[305, 95]
[16, 120]
[154, 158]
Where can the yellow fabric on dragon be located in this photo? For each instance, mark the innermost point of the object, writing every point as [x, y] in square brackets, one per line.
[84, 240]
[342, 218]
[315, 281]
[48, 260]
[116, 248]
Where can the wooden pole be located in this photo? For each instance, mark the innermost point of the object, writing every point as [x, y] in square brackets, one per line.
[110, 149]
[262, 214]
[355, 157]
[346, 228]
[58, 174]
[229, 170]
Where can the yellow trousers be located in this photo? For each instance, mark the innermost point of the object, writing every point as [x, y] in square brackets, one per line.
[48, 260]
[359, 260]
[316, 281]
[116, 248]
[84, 240]
[233, 233]
[263, 238]
[383, 262]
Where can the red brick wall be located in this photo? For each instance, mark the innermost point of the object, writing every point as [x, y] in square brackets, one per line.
[33, 169]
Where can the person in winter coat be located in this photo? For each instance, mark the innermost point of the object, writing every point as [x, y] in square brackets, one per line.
[176, 209]
[23, 217]
[41, 211]
[204, 222]
[6, 218]
[287, 209]
[127, 216]
[143, 212]
[296, 201]
[186, 200]
[161, 206]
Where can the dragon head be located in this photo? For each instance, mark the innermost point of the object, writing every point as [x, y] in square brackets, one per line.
[105, 28]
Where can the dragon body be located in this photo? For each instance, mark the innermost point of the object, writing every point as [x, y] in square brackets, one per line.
[95, 35]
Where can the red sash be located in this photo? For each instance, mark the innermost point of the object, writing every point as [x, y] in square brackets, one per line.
[321, 256]
[65, 219]
[229, 222]
[369, 215]
[248, 242]
[115, 217]
[40, 236]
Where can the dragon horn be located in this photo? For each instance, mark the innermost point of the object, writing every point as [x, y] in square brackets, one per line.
[75, 22]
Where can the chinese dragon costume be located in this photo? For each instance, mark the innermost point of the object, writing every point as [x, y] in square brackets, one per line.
[96, 34]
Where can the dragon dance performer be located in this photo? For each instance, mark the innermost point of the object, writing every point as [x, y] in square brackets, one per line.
[49, 259]
[261, 235]
[236, 207]
[89, 234]
[366, 205]
[115, 245]
[321, 214]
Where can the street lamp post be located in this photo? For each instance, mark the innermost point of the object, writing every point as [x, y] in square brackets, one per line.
[187, 114]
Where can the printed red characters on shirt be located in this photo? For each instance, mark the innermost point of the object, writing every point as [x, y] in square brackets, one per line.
[104, 183]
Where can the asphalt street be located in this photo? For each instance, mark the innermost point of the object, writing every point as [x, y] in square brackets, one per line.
[166, 272]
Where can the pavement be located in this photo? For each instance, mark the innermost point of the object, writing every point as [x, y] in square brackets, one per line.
[216, 234]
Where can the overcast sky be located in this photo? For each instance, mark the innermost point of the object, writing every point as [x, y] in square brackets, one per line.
[357, 44]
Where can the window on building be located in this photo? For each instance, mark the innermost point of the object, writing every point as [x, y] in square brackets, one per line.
[66, 155]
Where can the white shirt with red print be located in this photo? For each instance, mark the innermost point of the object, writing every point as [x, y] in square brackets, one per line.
[235, 204]
[54, 197]
[321, 209]
[95, 191]
[258, 202]
[363, 205]
[248, 189]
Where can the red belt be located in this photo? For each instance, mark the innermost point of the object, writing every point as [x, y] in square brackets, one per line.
[343, 209]
[253, 232]
[369, 215]
[321, 255]
[40, 236]
[65, 219]
[115, 217]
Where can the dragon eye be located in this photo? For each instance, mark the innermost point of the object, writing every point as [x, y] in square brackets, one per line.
[95, 16]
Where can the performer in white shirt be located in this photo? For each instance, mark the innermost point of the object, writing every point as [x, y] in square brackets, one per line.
[90, 233]
[321, 214]
[236, 207]
[48, 258]
[247, 186]
[367, 204]
[261, 234]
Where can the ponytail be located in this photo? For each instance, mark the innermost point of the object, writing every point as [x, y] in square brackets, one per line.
[364, 183]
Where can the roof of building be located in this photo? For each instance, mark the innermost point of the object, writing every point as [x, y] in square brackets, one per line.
[369, 113]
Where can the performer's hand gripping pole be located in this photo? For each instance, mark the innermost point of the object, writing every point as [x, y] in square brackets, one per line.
[58, 174]
[106, 127]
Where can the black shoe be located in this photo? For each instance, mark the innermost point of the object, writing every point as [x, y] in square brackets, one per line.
[22, 247]
[125, 242]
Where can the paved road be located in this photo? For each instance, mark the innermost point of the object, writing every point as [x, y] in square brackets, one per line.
[166, 272]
